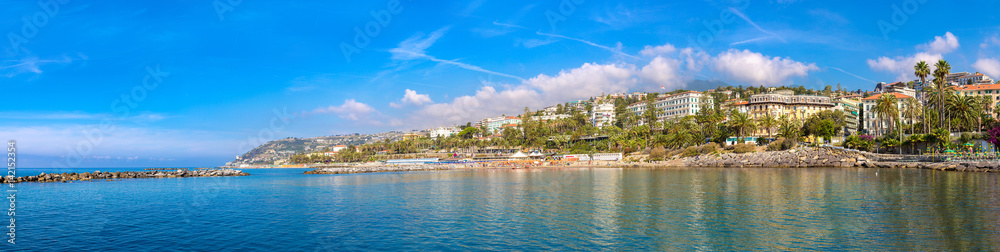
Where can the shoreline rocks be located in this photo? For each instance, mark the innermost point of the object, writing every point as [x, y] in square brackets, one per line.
[826, 157]
[372, 169]
[97, 175]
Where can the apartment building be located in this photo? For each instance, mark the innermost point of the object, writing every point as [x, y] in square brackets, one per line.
[672, 107]
[875, 125]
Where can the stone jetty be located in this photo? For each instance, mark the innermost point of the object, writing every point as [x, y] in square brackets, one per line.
[98, 175]
[370, 169]
[819, 157]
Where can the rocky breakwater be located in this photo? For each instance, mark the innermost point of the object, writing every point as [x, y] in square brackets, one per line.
[98, 175]
[794, 158]
[370, 169]
[830, 157]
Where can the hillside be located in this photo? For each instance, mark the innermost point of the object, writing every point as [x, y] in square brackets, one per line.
[271, 151]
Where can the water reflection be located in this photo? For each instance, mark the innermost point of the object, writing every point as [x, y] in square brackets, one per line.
[686, 209]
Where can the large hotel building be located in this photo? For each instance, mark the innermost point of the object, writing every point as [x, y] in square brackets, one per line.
[672, 107]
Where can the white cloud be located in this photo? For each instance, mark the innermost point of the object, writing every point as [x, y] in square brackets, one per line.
[665, 72]
[902, 66]
[350, 110]
[412, 97]
[988, 66]
[757, 69]
[486, 102]
[941, 45]
[658, 50]
[589, 80]
[584, 82]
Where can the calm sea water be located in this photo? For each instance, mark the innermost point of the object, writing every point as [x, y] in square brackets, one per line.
[568, 209]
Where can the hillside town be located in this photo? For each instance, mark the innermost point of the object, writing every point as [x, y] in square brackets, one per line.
[898, 117]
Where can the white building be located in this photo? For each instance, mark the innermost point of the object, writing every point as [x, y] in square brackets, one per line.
[672, 107]
[603, 115]
[494, 124]
[964, 78]
[875, 125]
[550, 117]
[443, 132]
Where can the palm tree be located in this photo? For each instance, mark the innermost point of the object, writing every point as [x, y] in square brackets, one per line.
[941, 71]
[964, 108]
[983, 104]
[996, 110]
[887, 109]
[921, 70]
[788, 128]
[768, 122]
[912, 111]
[741, 122]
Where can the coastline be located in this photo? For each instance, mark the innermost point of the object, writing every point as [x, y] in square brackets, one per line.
[806, 157]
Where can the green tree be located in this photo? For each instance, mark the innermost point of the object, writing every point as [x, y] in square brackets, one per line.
[941, 72]
[912, 110]
[742, 123]
[887, 109]
[768, 122]
[921, 70]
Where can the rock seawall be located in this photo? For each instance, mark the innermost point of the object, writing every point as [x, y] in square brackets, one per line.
[817, 157]
[64, 177]
[370, 169]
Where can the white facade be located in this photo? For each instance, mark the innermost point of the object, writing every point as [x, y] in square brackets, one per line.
[550, 117]
[603, 115]
[963, 78]
[494, 124]
[443, 132]
[875, 125]
[672, 107]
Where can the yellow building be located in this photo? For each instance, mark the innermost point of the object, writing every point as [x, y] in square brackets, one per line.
[989, 90]
[784, 102]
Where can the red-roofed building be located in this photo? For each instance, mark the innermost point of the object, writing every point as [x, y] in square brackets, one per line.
[992, 91]
[874, 123]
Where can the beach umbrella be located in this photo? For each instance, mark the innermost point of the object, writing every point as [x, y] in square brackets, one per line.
[949, 151]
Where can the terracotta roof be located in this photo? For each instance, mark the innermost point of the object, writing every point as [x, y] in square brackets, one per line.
[979, 87]
[741, 103]
[340, 145]
[879, 96]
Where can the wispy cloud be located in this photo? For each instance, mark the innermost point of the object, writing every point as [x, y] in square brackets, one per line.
[32, 64]
[79, 116]
[751, 22]
[415, 48]
[851, 74]
[613, 50]
[510, 25]
[751, 40]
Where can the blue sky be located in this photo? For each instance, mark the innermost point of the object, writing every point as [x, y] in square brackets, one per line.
[195, 83]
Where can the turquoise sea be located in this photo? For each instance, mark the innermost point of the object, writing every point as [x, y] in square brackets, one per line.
[500, 209]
